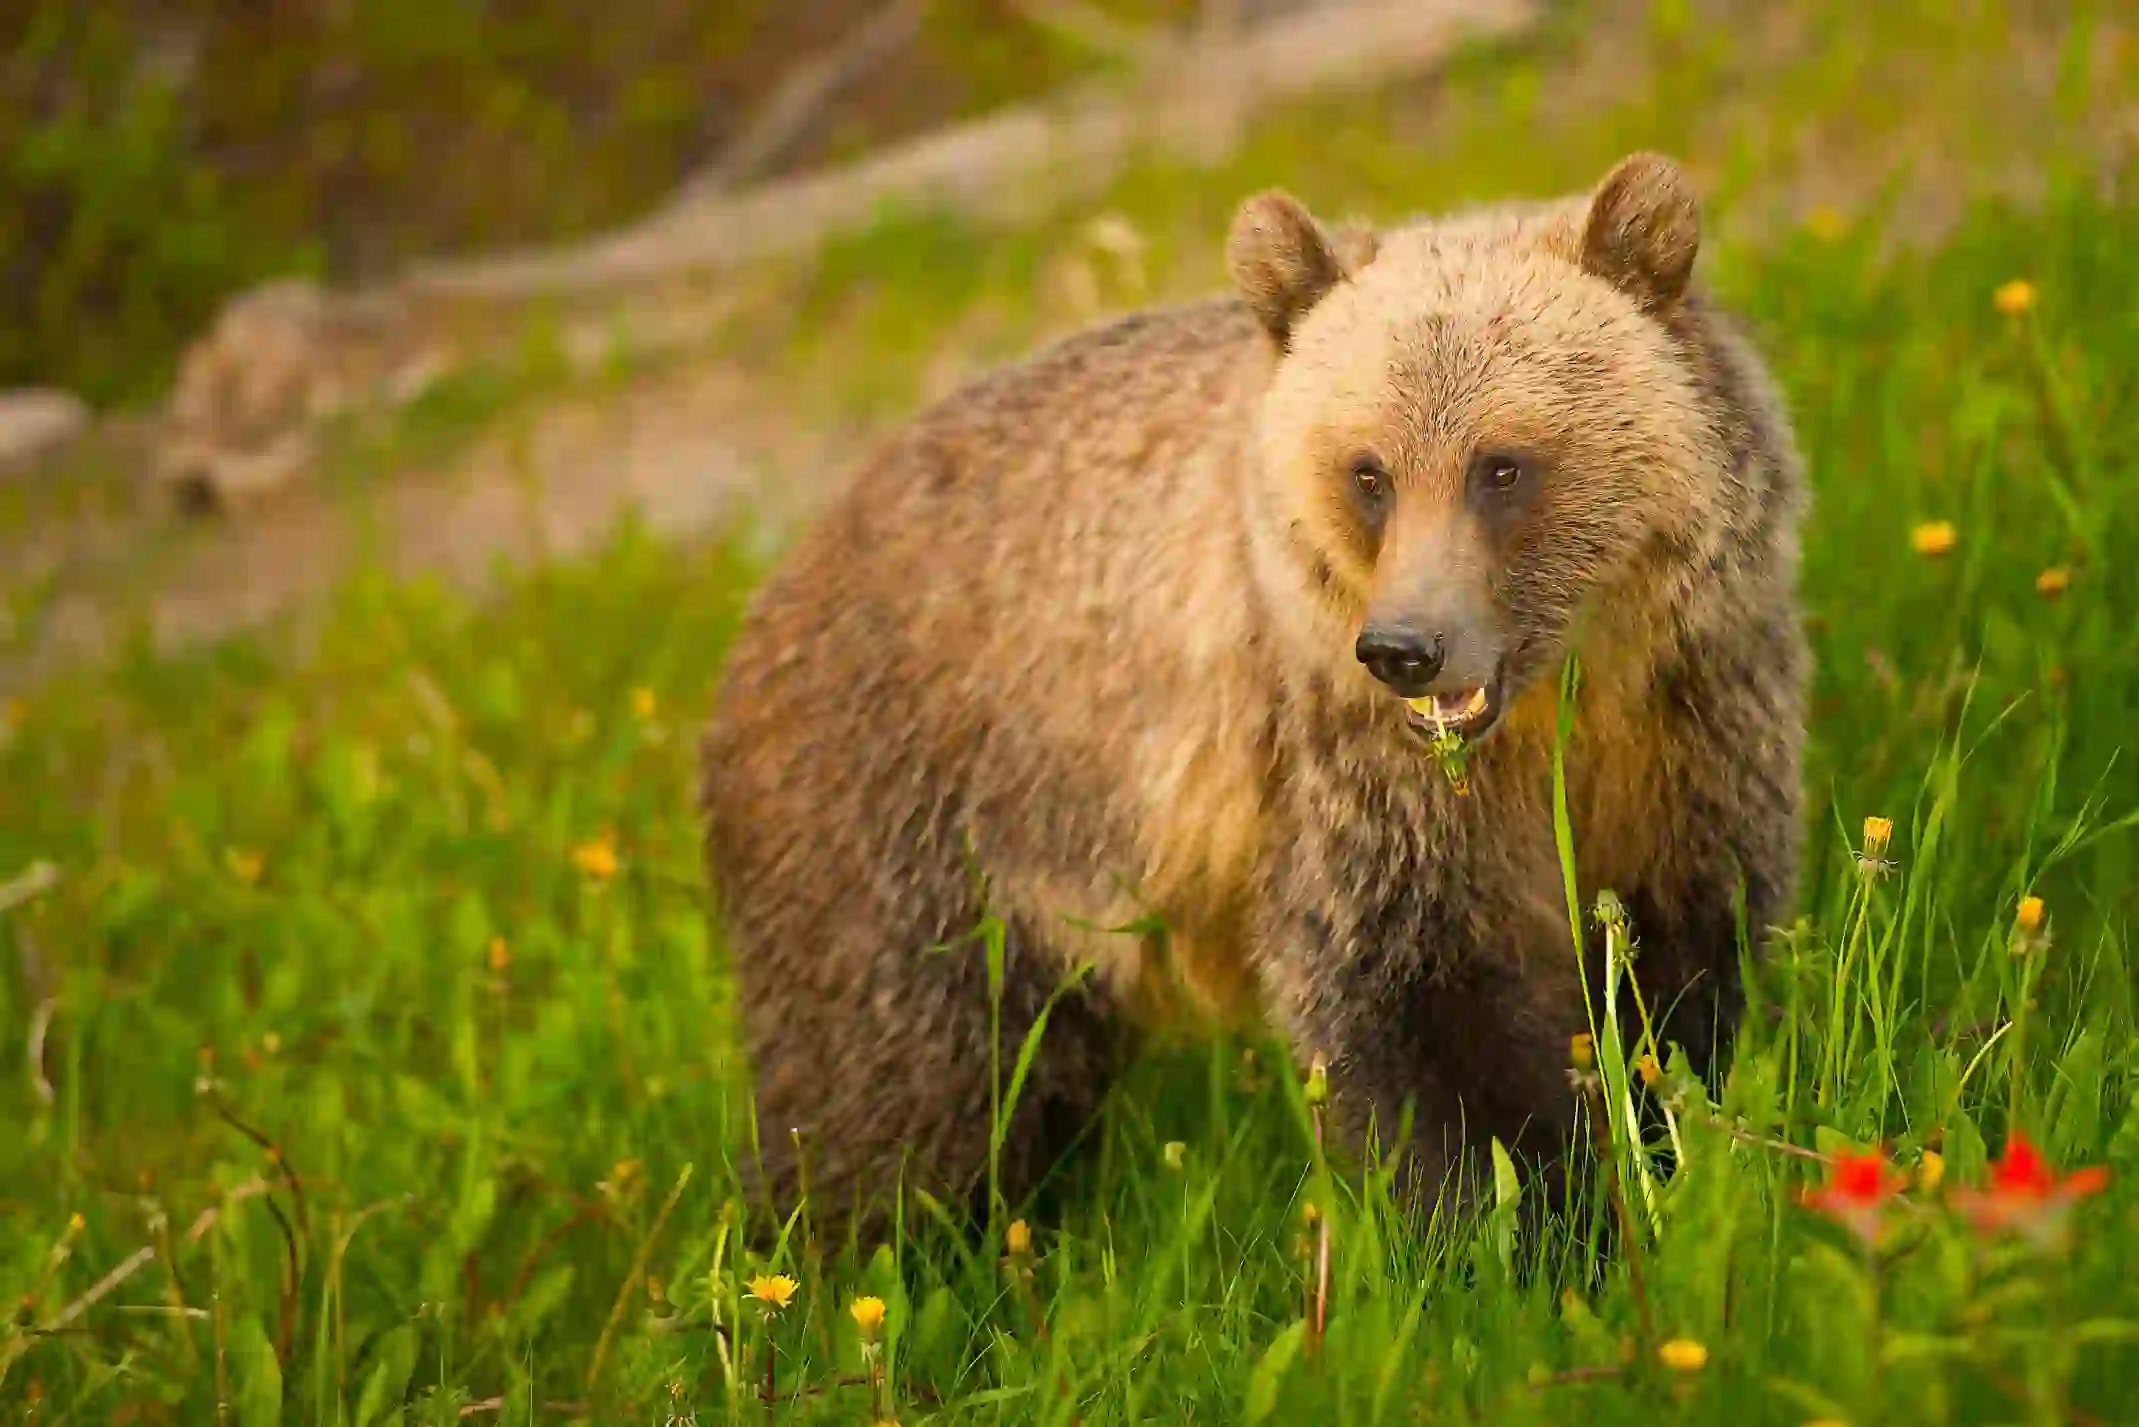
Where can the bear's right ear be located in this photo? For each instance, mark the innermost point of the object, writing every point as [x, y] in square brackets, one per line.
[1643, 229]
[1281, 260]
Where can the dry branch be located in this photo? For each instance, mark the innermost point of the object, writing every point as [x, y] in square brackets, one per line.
[239, 425]
[984, 169]
[1094, 29]
[101, 1289]
[28, 885]
[801, 98]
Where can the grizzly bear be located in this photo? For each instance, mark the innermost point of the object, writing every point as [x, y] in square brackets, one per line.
[1143, 656]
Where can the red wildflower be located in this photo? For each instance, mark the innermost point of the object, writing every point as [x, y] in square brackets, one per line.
[2029, 1197]
[1856, 1192]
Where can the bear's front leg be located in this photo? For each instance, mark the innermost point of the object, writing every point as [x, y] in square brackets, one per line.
[1460, 1015]
[1732, 719]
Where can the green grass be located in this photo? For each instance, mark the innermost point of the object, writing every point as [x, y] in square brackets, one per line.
[507, 1113]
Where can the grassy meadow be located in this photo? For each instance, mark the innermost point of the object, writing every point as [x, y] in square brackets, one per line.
[366, 1053]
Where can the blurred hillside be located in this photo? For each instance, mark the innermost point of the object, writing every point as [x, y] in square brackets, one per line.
[170, 152]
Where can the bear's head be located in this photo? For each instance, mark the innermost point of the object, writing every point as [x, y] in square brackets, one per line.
[1479, 436]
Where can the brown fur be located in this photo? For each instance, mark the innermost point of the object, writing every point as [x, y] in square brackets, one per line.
[1078, 644]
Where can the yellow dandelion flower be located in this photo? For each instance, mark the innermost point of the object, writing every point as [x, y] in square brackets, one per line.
[868, 1314]
[2053, 582]
[643, 702]
[774, 1290]
[1826, 1422]
[1582, 1050]
[76, 1223]
[1878, 832]
[1318, 1080]
[2015, 297]
[499, 955]
[1931, 1171]
[1176, 1154]
[596, 859]
[1652, 1074]
[1018, 1237]
[1934, 537]
[2029, 933]
[1683, 1355]
[1825, 223]
[244, 865]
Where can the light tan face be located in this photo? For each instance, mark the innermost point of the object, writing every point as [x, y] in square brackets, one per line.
[1474, 436]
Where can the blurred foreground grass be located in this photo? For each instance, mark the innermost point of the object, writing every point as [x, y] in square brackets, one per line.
[418, 905]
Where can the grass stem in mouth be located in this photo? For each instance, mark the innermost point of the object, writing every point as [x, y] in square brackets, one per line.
[1450, 754]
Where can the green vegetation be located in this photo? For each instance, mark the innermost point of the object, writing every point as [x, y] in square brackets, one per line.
[162, 156]
[418, 905]
[1878, 111]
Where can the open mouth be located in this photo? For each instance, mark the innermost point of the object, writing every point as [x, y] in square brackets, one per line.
[1464, 713]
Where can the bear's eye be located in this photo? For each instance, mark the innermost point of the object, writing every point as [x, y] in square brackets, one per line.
[1497, 473]
[1370, 480]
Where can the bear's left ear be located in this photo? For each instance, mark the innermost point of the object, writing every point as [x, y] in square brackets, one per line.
[1283, 261]
[1643, 229]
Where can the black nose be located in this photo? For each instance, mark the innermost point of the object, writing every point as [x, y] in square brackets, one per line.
[1400, 658]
